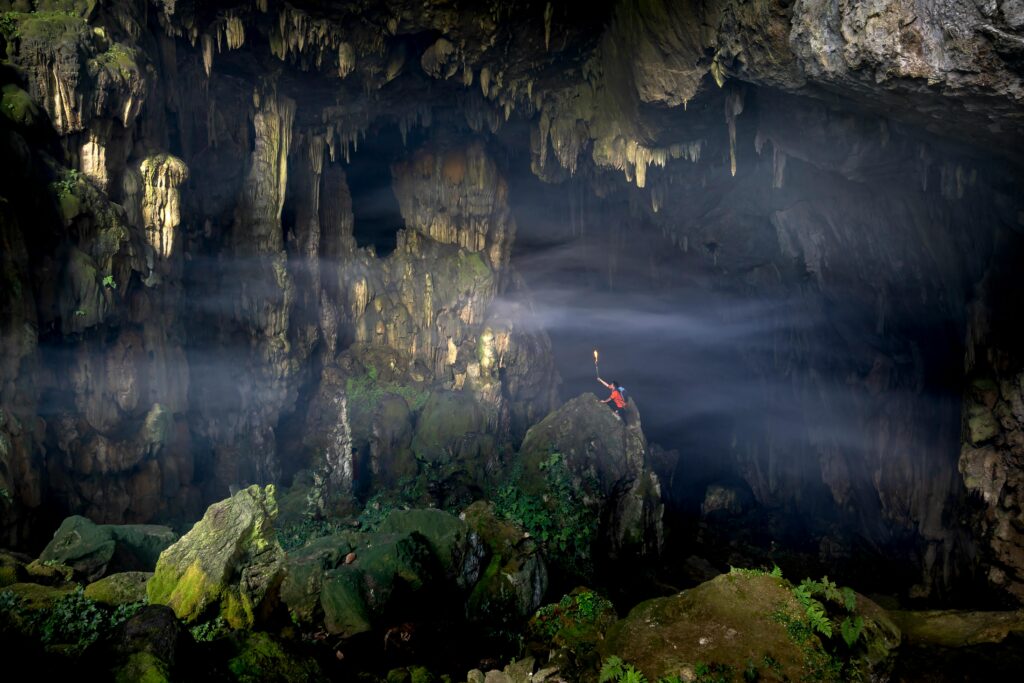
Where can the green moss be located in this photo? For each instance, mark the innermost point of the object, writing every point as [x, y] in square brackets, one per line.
[119, 589]
[17, 105]
[578, 621]
[473, 271]
[142, 667]
[47, 26]
[261, 658]
[188, 595]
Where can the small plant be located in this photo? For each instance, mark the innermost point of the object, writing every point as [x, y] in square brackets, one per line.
[9, 25]
[65, 187]
[5, 496]
[299, 534]
[80, 313]
[210, 630]
[557, 517]
[108, 281]
[574, 621]
[614, 670]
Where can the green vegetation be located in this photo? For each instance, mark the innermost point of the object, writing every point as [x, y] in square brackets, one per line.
[65, 187]
[209, 631]
[108, 281]
[366, 391]
[9, 24]
[829, 631]
[614, 670]
[73, 621]
[299, 534]
[577, 621]
[556, 516]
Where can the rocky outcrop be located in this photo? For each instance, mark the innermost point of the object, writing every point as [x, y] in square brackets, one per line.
[96, 550]
[736, 622]
[606, 458]
[229, 563]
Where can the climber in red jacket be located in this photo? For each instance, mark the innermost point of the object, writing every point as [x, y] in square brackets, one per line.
[617, 400]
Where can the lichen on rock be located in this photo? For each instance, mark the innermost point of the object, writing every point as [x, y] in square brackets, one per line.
[229, 563]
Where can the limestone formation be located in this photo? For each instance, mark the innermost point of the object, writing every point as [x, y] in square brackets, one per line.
[606, 457]
[230, 563]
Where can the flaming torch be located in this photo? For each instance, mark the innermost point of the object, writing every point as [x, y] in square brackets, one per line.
[596, 370]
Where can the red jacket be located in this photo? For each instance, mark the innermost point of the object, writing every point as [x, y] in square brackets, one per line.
[617, 399]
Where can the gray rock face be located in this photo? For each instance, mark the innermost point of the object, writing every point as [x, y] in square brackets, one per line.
[229, 563]
[607, 460]
[95, 550]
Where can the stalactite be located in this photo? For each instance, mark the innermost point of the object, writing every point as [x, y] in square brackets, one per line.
[234, 31]
[778, 167]
[485, 81]
[161, 206]
[549, 12]
[346, 59]
[733, 108]
[207, 54]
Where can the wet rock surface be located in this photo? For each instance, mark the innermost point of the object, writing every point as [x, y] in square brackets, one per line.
[190, 303]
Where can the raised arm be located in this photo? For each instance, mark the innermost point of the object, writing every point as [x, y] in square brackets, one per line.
[606, 384]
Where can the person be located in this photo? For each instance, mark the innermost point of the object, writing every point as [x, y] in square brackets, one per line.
[617, 402]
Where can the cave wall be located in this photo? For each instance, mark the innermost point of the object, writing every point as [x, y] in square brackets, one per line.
[185, 305]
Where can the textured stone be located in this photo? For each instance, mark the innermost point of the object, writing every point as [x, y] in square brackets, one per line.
[230, 562]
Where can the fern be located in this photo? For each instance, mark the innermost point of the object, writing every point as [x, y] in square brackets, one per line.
[849, 599]
[611, 669]
[852, 629]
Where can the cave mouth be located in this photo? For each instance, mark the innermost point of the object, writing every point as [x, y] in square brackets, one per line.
[377, 216]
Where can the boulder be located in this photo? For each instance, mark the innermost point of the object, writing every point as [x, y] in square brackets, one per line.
[12, 569]
[261, 658]
[958, 628]
[457, 548]
[94, 550]
[119, 589]
[606, 458]
[229, 562]
[515, 579]
[153, 630]
[738, 621]
[389, 574]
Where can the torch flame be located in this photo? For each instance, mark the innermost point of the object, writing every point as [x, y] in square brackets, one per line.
[595, 356]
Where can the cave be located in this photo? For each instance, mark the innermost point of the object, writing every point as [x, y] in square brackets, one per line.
[624, 340]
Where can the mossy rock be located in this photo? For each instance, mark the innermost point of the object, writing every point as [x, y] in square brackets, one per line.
[119, 589]
[49, 573]
[229, 562]
[34, 596]
[737, 622]
[17, 106]
[459, 551]
[305, 569]
[447, 418]
[958, 628]
[515, 579]
[263, 659]
[142, 667]
[577, 622]
[391, 574]
[726, 621]
[94, 550]
[12, 570]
